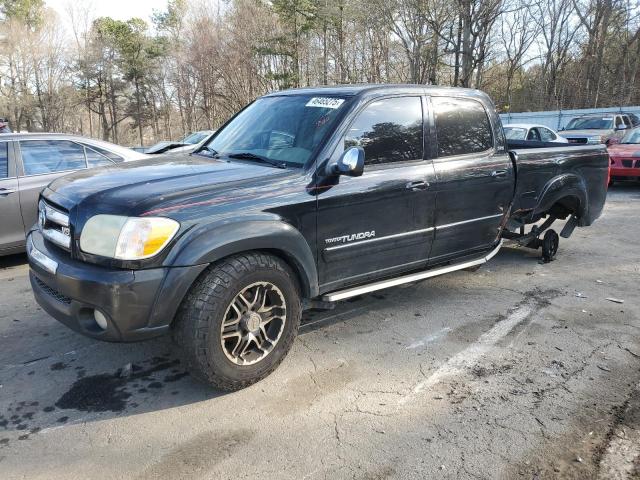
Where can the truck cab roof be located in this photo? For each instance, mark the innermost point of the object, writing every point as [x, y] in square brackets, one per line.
[373, 89]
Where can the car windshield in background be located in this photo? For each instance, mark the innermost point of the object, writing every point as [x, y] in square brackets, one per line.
[195, 137]
[282, 130]
[515, 133]
[631, 137]
[592, 123]
[635, 120]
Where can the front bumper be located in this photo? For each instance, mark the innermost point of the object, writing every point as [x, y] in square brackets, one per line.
[625, 172]
[138, 304]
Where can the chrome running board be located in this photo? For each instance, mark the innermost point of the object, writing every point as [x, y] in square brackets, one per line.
[413, 277]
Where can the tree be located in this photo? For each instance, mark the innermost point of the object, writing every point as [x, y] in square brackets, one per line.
[554, 20]
[206, 59]
[139, 56]
[518, 31]
[477, 19]
[29, 12]
[298, 17]
[408, 20]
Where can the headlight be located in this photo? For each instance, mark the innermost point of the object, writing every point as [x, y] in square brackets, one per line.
[595, 140]
[127, 238]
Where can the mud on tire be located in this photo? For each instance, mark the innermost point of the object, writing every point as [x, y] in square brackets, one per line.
[218, 305]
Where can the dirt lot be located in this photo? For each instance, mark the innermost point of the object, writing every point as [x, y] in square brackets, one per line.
[518, 370]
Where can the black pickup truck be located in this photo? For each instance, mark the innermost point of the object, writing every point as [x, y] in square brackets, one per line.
[303, 198]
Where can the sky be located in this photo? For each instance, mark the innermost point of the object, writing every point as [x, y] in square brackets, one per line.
[118, 9]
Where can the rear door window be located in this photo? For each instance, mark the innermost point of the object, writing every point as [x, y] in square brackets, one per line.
[547, 135]
[390, 130]
[462, 126]
[4, 159]
[95, 159]
[110, 155]
[534, 134]
[51, 156]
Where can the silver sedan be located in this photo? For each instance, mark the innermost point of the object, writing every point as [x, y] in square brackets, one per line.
[29, 162]
[538, 133]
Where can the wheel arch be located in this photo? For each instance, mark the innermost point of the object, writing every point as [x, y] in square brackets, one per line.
[563, 195]
[210, 244]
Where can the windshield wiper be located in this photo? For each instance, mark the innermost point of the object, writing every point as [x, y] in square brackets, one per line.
[253, 156]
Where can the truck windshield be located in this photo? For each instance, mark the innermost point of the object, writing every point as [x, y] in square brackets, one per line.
[631, 137]
[281, 130]
[591, 123]
[515, 133]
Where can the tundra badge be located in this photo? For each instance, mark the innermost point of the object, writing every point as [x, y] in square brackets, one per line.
[352, 237]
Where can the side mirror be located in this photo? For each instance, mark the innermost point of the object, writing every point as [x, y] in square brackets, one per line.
[350, 163]
[621, 127]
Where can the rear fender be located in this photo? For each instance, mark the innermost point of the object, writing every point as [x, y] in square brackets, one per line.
[563, 186]
[210, 243]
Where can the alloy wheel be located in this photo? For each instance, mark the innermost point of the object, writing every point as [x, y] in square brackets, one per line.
[253, 323]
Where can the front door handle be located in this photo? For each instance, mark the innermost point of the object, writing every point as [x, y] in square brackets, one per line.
[6, 191]
[418, 185]
[499, 173]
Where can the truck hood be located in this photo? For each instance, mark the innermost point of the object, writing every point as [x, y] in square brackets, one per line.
[132, 187]
[585, 133]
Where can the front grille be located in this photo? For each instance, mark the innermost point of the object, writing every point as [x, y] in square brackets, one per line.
[52, 292]
[54, 224]
[627, 163]
[577, 140]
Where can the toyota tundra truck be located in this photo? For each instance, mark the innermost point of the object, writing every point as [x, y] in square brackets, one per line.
[304, 198]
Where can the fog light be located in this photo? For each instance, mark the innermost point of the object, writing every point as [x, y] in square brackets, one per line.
[100, 319]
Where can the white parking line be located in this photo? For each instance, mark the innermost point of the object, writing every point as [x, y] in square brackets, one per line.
[466, 358]
[429, 338]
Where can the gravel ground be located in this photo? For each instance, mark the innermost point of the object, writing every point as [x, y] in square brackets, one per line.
[517, 370]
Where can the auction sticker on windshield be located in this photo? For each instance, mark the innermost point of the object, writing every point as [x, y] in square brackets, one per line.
[325, 102]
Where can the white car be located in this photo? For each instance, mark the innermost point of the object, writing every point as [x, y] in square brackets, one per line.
[186, 145]
[539, 133]
[193, 147]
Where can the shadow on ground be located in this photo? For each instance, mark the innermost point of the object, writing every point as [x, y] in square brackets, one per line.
[51, 376]
[10, 261]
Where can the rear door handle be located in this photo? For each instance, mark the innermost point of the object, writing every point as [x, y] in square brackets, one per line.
[418, 185]
[499, 173]
[6, 191]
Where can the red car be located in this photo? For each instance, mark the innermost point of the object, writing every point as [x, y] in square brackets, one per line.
[625, 157]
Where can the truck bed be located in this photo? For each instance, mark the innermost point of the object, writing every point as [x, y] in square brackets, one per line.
[568, 179]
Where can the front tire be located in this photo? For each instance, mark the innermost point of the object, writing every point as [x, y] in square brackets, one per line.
[239, 320]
